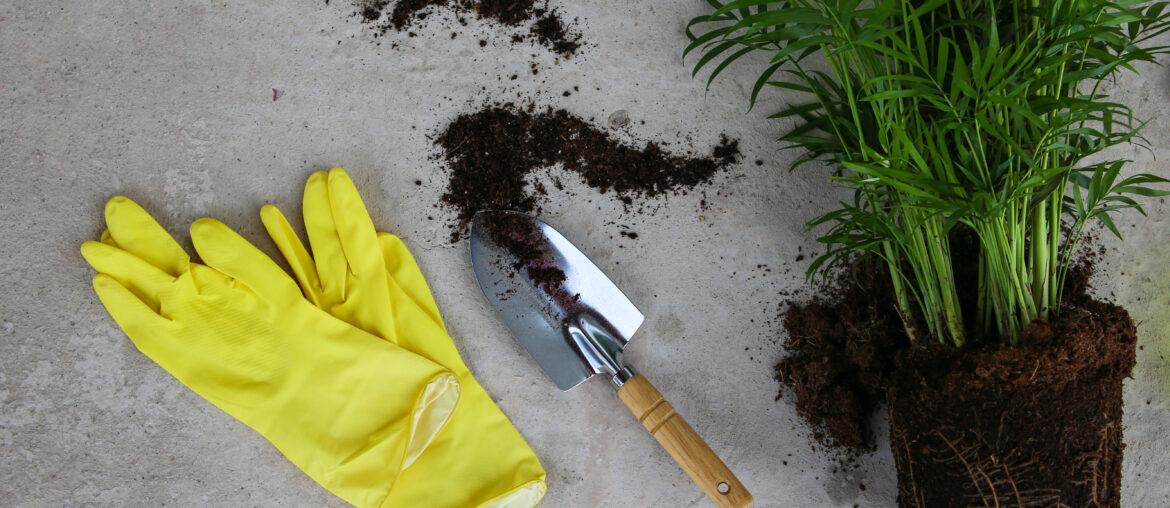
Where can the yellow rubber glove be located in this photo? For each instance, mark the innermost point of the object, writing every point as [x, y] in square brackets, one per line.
[348, 408]
[479, 460]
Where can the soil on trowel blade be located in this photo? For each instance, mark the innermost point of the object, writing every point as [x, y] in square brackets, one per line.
[543, 24]
[492, 152]
[520, 236]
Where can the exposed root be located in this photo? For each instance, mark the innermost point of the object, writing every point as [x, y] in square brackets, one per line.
[1096, 465]
[967, 465]
[993, 479]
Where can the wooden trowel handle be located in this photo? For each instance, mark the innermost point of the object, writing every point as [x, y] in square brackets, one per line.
[684, 445]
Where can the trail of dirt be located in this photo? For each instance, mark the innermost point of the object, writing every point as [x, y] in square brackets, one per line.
[543, 24]
[491, 152]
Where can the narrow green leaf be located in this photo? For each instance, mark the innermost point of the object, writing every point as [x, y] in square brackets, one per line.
[761, 81]
[1108, 222]
[699, 41]
[710, 55]
[727, 61]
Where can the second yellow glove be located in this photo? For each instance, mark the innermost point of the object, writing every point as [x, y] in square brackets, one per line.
[348, 408]
[370, 280]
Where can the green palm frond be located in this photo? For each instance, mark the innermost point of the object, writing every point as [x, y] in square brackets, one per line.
[946, 112]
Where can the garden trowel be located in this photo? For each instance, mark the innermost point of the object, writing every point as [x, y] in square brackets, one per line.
[575, 322]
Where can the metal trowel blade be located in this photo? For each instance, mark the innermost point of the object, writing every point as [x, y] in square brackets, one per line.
[537, 280]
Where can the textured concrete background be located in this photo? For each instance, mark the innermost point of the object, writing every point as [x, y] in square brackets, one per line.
[172, 106]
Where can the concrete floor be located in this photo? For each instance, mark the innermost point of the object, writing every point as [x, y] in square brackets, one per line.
[173, 106]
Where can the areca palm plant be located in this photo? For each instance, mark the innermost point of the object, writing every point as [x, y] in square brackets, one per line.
[990, 114]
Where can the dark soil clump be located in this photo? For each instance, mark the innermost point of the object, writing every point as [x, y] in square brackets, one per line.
[544, 25]
[491, 153]
[842, 348]
[550, 31]
[405, 12]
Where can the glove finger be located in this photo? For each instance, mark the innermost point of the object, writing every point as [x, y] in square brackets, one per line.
[327, 253]
[229, 253]
[134, 230]
[359, 239]
[404, 271]
[145, 280]
[140, 322]
[108, 239]
[294, 252]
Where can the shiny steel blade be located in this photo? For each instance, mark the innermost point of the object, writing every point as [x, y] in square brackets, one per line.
[518, 261]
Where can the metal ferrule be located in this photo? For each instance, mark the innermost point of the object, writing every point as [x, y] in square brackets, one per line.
[621, 377]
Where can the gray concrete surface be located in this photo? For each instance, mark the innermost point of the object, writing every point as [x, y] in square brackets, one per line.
[171, 104]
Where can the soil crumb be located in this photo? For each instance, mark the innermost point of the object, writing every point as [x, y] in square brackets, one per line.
[543, 24]
[491, 152]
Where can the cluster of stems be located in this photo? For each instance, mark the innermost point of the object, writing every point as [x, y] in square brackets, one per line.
[954, 113]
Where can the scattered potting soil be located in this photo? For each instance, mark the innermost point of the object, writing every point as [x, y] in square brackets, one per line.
[543, 24]
[492, 151]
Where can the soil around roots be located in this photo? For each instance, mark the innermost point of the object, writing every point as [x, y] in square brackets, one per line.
[988, 425]
[1034, 425]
